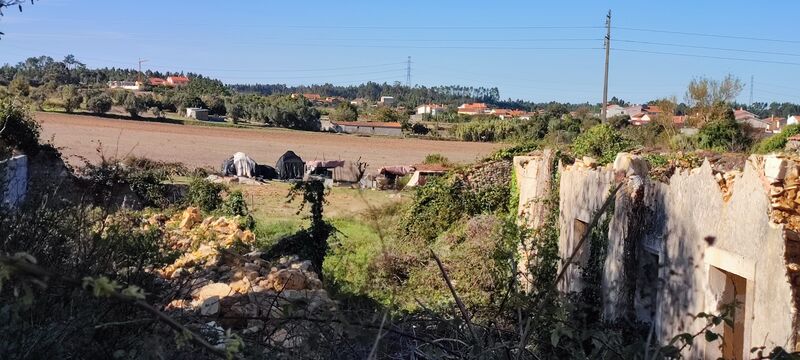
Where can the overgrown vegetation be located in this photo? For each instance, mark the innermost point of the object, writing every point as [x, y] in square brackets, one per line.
[601, 142]
[778, 141]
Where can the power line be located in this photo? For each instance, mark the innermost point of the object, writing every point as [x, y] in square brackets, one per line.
[292, 70]
[708, 35]
[396, 71]
[707, 56]
[369, 27]
[707, 47]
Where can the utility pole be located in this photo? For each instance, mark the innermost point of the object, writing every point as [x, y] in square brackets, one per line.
[408, 72]
[751, 90]
[605, 79]
[140, 68]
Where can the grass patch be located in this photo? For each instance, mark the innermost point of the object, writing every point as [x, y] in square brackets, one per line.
[269, 232]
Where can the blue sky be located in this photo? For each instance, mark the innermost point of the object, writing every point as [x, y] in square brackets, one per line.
[533, 50]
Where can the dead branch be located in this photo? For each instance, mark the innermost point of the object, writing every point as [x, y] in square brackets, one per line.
[460, 304]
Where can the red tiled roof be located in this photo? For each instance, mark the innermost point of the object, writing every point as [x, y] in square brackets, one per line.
[177, 79]
[473, 106]
[393, 125]
[156, 81]
[653, 109]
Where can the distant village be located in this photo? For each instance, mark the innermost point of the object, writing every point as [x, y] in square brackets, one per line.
[638, 114]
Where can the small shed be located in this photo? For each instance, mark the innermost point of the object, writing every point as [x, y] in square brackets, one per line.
[290, 166]
[422, 173]
[197, 113]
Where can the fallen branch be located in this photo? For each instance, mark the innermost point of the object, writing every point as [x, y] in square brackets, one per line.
[460, 304]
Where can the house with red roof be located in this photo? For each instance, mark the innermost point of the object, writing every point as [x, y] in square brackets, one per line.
[177, 80]
[154, 81]
[473, 109]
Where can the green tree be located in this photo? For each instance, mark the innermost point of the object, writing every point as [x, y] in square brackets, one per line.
[99, 104]
[71, 98]
[235, 110]
[706, 96]
[385, 114]
[20, 85]
[133, 105]
[345, 112]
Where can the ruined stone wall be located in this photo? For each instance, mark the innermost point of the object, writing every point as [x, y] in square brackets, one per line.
[669, 244]
[533, 180]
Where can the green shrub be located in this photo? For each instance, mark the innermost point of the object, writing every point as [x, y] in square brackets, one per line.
[494, 130]
[21, 130]
[681, 142]
[778, 141]
[71, 98]
[235, 205]
[133, 105]
[435, 159]
[106, 177]
[601, 142]
[723, 135]
[99, 104]
[205, 194]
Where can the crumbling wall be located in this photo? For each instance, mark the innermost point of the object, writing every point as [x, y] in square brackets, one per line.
[13, 181]
[582, 190]
[533, 180]
[700, 224]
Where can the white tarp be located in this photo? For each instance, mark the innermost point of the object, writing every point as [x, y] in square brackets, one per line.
[244, 165]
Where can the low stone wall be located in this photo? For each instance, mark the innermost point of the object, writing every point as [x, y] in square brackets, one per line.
[694, 244]
[13, 181]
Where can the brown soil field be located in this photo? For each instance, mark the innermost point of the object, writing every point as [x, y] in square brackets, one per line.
[80, 136]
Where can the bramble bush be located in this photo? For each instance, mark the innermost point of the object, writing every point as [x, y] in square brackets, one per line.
[205, 194]
[602, 142]
[723, 135]
[20, 130]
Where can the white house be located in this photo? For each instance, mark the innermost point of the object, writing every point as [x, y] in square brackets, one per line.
[197, 113]
[127, 85]
[431, 109]
[387, 100]
[615, 110]
[793, 119]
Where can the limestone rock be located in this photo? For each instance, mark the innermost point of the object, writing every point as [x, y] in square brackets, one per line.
[774, 168]
[210, 306]
[190, 217]
[219, 290]
[289, 279]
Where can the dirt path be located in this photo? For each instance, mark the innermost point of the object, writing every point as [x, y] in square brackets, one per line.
[80, 135]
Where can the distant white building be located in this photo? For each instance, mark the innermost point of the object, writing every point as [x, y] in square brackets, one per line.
[615, 110]
[431, 109]
[127, 85]
[794, 119]
[387, 100]
[197, 113]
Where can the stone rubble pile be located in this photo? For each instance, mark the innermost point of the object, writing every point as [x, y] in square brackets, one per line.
[211, 280]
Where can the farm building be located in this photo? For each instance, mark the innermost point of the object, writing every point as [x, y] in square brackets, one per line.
[369, 128]
[197, 113]
[127, 85]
